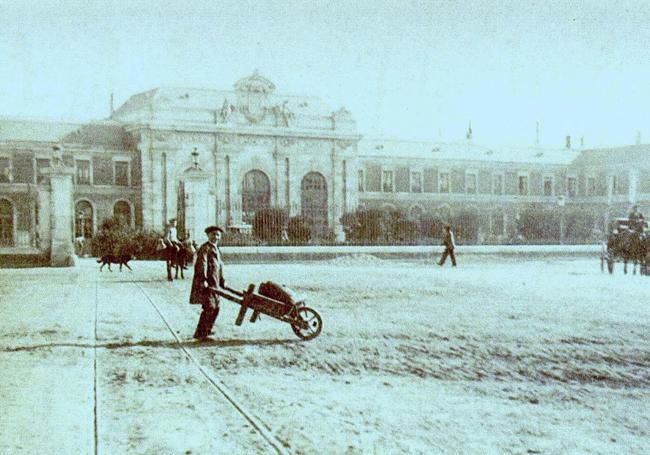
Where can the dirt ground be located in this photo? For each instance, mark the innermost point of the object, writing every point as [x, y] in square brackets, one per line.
[496, 356]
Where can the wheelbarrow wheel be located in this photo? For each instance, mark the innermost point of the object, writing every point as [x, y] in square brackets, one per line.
[308, 323]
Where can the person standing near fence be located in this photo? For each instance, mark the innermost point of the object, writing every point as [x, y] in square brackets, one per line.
[450, 244]
[208, 273]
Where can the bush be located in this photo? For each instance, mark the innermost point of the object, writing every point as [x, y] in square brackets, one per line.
[299, 229]
[465, 226]
[268, 224]
[539, 225]
[579, 225]
[406, 231]
[116, 238]
[362, 226]
[431, 227]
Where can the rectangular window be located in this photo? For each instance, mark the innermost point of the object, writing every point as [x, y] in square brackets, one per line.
[523, 185]
[387, 181]
[361, 182]
[6, 176]
[548, 185]
[471, 183]
[591, 186]
[571, 186]
[122, 173]
[42, 163]
[83, 172]
[416, 182]
[444, 182]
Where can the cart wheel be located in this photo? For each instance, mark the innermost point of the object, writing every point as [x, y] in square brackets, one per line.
[310, 325]
[610, 266]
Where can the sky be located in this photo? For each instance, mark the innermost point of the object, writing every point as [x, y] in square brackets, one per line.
[414, 70]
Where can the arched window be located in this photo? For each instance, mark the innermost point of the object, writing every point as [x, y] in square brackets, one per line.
[122, 212]
[415, 213]
[83, 226]
[313, 198]
[6, 223]
[256, 194]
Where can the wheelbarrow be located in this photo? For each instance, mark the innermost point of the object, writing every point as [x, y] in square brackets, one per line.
[305, 322]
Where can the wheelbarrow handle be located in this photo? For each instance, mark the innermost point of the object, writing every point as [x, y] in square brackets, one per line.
[228, 295]
[234, 291]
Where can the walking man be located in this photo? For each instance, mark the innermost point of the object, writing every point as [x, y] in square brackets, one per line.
[450, 244]
[208, 273]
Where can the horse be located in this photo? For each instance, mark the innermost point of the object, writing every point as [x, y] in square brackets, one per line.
[630, 245]
[176, 256]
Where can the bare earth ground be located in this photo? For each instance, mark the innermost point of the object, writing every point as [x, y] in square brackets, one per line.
[497, 356]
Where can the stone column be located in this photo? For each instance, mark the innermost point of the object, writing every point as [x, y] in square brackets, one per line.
[336, 202]
[199, 208]
[633, 185]
[61, 214]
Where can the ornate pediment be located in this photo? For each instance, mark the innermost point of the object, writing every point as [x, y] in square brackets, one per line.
[255, 84]
[253, 96]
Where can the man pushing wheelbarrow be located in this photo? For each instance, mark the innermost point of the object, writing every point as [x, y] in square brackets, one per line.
[208, 276]
[271, 299]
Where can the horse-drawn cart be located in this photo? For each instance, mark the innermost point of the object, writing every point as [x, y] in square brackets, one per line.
[305, 322]
[626, 242]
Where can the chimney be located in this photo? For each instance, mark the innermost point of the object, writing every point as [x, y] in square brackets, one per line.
[638, 137]
[582, 141]
[537, 134]
[112, 109]
[568, 142]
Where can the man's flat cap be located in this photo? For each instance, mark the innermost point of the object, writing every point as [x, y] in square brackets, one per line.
[213, 229]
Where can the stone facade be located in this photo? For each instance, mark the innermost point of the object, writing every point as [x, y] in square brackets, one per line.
[215, 157]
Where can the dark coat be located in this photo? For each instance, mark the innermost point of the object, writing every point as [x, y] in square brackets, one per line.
[208, 268]
[448, 240]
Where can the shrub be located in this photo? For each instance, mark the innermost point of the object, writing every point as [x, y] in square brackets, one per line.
[299, 229]
[351, 226]
[116, 238]
[539, 225]
[579, 225]
[465, 226]
[405, 230]
[431, 227]
[370, 225]
[268, 224]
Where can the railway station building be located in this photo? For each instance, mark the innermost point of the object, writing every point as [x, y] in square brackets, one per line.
[216, 157]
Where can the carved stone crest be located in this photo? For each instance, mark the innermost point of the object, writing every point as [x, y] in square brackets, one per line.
[252, 96]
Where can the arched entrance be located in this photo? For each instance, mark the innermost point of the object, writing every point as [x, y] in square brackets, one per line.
[6, 223]
[256, 194]
[122, 212]
[83, 226]
[313, 201]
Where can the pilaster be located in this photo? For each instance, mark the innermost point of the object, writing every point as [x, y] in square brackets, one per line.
[199, 209]
[61, 214]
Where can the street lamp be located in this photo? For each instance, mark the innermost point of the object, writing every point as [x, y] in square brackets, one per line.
[195, 158]
[560, 203]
